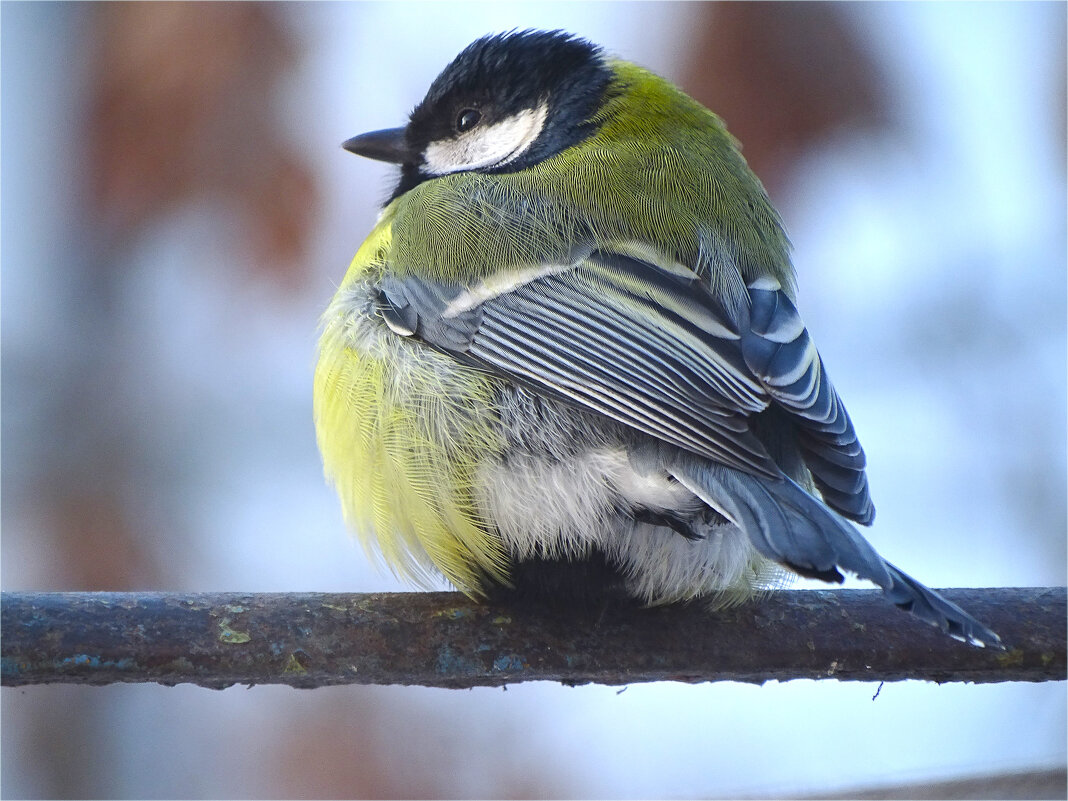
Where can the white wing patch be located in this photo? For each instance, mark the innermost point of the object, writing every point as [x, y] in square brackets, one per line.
[486, 145]
[498, 284]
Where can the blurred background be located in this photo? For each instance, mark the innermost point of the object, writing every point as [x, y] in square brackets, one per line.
[177, 210]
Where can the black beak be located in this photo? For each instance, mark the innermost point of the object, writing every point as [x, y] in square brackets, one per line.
[385, 145]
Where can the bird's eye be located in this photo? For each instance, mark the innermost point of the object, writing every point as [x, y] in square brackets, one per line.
[467, 119]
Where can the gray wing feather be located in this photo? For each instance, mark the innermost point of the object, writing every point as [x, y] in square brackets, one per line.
[575, 333]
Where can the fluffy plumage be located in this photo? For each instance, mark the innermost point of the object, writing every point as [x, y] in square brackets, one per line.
[571, 341]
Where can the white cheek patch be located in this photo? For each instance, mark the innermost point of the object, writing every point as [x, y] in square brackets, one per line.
[486, 146]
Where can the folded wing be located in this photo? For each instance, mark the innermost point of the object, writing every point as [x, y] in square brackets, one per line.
[654, 349]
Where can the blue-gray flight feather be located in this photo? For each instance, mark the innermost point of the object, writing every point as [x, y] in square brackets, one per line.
[778, 349]
[789, 526]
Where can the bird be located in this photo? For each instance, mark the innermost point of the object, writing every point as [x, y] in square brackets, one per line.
[567, 362]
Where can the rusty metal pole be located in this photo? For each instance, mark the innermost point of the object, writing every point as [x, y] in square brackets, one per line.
[445, 640]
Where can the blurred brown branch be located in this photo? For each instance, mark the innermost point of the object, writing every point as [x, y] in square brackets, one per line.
[446, 640]
[187, 102]
[787, 78]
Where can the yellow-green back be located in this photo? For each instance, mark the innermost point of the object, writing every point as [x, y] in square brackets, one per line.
[660, 169]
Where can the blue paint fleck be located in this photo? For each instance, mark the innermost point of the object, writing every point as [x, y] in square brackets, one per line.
[81, 660]
[509, 662]
[95, 662]
[9, 667]
[451, 663]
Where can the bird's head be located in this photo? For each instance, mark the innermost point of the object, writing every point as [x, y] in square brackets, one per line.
[505, 103]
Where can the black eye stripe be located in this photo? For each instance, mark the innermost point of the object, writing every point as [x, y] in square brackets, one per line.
[467, 119]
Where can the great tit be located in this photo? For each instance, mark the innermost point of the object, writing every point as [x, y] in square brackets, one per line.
[567, 361]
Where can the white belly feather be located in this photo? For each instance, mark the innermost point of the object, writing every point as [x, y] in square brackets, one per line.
[566, 509]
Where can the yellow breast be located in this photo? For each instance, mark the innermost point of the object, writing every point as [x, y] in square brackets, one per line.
[402, 430]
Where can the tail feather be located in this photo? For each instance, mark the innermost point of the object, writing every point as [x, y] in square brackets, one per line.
[790, 526]
[928, 605]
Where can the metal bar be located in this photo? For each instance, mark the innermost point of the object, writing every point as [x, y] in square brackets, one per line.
[446, 640]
